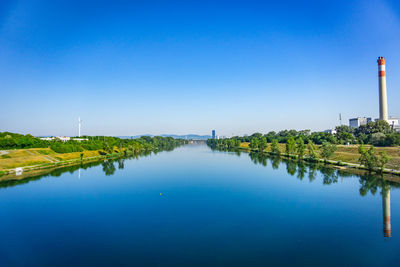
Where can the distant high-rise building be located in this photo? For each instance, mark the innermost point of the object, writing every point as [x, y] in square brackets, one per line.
[357, 122]
[213, 134]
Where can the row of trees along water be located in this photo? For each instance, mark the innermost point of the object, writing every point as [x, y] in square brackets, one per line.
[378, 133]
[105, 144]
[367, 181]
[315, 146]
[300, 169]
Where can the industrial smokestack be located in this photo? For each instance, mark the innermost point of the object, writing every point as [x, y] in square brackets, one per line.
[387, 229]
[383, 109]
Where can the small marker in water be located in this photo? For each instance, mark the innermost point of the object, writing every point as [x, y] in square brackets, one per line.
[160, 194]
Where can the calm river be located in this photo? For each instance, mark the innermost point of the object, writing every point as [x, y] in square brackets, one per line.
[194, 206]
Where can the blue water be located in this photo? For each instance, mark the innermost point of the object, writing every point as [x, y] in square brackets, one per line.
[195, 207]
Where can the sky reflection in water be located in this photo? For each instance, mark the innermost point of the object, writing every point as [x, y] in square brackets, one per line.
[195, 206]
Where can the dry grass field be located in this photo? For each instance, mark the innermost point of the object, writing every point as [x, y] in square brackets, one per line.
[35, 156]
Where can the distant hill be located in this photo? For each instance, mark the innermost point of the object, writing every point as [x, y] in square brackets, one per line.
[187, 136]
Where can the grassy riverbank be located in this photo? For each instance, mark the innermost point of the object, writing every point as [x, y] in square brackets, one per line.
[32, 153]
[38, 160]
[37, 156]
[348, 155]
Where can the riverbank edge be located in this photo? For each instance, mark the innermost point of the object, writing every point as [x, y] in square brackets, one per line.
[10, 174]
[333, 163]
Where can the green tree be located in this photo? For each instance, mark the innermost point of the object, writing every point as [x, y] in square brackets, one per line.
[382, 126]
[368, 157]
[312, 151]
[256, 135]
[254, 143]
[275, 147]
[328, 150]
[344, 134]
[383, 160]
[262, 145]
[377, 139]
[107, 148]
[237, 143]
[301, 148]
[290, 146]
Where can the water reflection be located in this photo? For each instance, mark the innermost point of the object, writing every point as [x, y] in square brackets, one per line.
[298, 170]
[108, 167]
[368, 183]
[387, 228]
[121, 164]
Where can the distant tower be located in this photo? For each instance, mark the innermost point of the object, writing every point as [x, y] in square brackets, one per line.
[387, 228]
[79, 127]
[213, 134]
[383, 109]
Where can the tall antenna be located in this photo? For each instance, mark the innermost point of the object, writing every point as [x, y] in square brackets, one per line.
[340, 118]
[79, 126]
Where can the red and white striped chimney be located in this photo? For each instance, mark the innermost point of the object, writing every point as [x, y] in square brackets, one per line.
[387, 227]
[383, 109]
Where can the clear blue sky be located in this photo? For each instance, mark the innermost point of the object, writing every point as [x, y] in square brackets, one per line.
[129, 68]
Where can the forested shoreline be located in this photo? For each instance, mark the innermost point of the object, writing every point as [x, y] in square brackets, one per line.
[317, 146]
[104, 144]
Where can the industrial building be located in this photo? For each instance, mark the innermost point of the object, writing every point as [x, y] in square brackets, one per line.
[60, 138]
[331, 131]
[394, 123]
[383, 107]
[213, 134]
[357, 122]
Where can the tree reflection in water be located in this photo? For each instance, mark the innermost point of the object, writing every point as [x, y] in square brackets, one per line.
[275, 160]
[291, 167]
[108, 167]
[259, 158]
[301, 170]
[312, 172]
[330, 175]
[368, 183]
[121, 163]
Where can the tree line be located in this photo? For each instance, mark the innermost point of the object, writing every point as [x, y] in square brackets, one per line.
[303, 145]
[105, 144]
[293, 147]
[378, 133]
